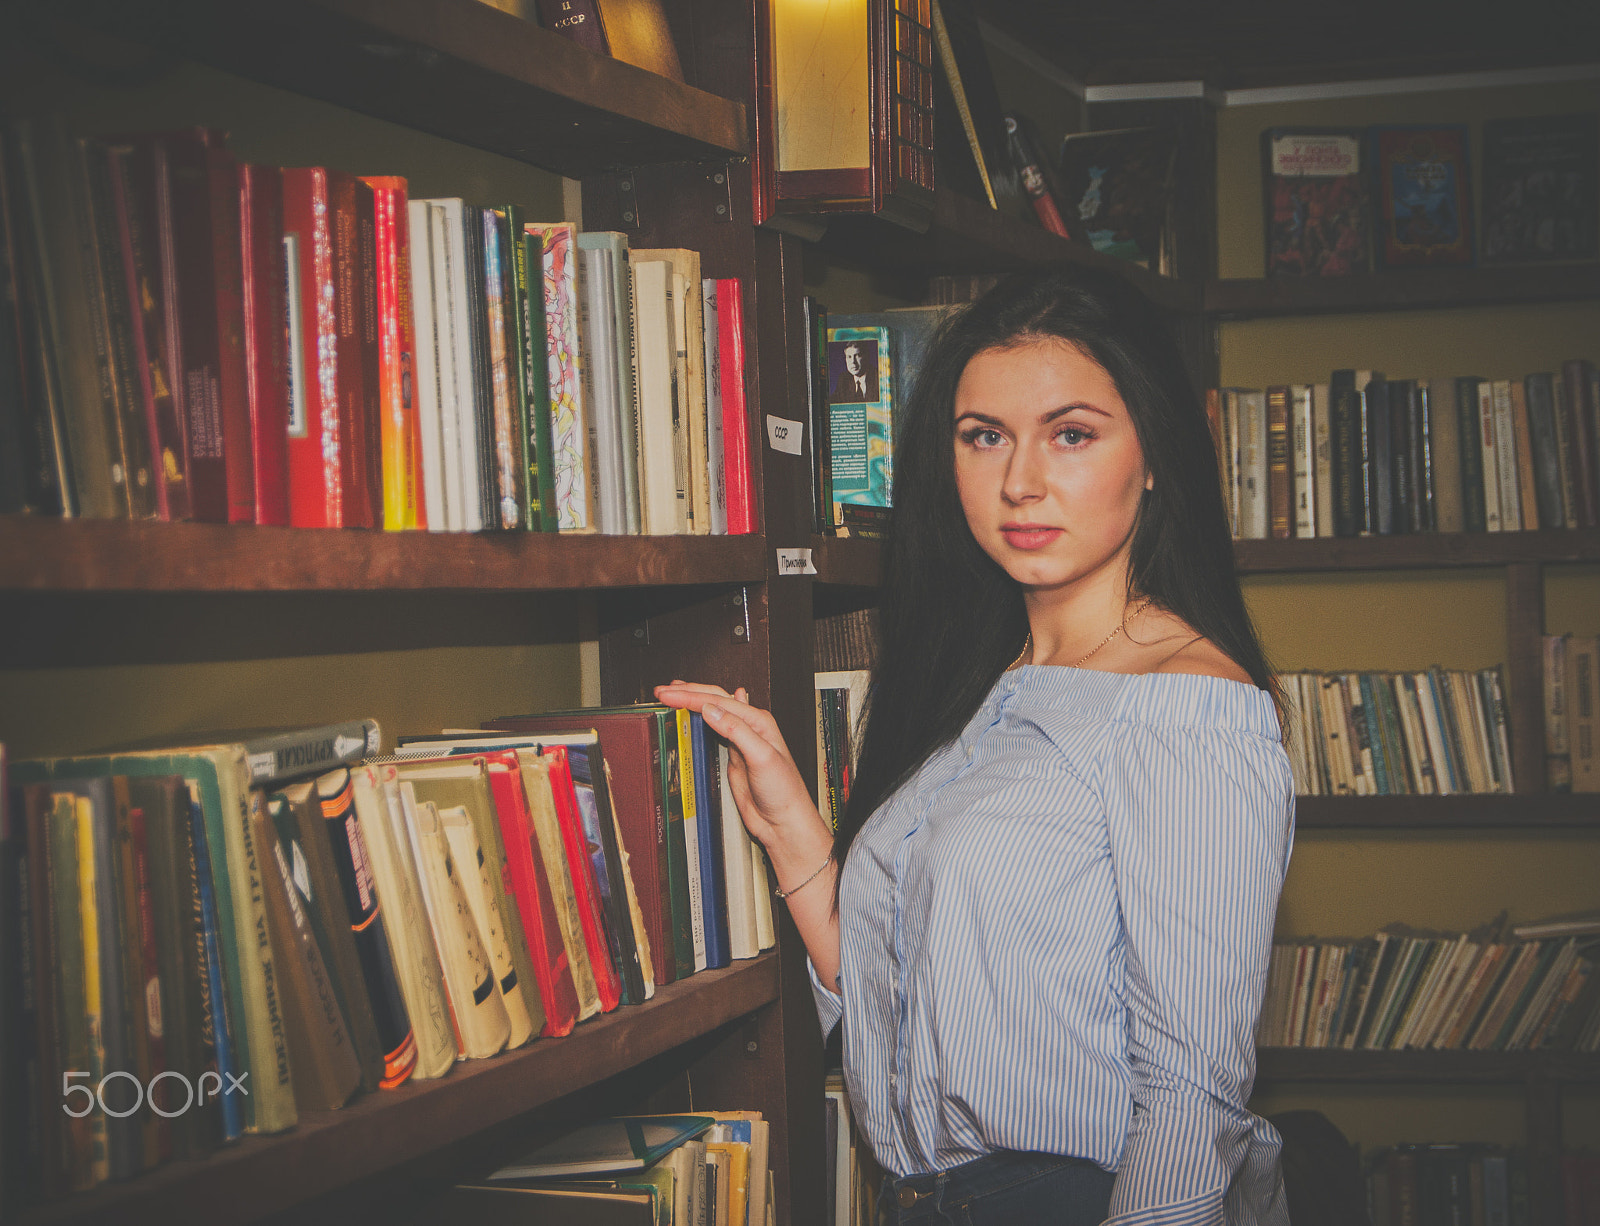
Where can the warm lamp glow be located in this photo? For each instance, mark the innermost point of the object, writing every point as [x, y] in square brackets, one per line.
[822, 84]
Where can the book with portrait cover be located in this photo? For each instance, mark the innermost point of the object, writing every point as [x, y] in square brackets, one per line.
[1423, 195]
[1541, 188]
[860, 412]
[1117, 190]
[1315, 202]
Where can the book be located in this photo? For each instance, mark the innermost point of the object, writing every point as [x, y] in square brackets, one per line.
[716, 454]
[623, 1143]
[539, 482]
[1315, 202]
[398, 439]
[598, 328]
[860, 417]
[460, 381]
[1541, 184]
[322, 1061]
[570, 426]
[540, 785]
[621, 339]
[507, 467]
[654, 350]
[1118, 189]
[1583, 720]
[279, 755]
[1423, 195]
[554, 1206]
[262, 276]
[1280, 492]
[426, 392]
[1577, 398]
[737, 460]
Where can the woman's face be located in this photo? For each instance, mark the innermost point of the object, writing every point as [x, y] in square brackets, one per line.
[1048, 465]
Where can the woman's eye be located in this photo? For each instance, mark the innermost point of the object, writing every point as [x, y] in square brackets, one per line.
[985, 437]
[1072, 436]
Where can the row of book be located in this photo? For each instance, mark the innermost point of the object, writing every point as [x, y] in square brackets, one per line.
[1362, 454]
[1339, 199]
[1439, 732]
[841, 699]
[184, 336]
[701, 1169]
[1572, 712]
[269, 925]
[1497, 988]
[1409, 1185]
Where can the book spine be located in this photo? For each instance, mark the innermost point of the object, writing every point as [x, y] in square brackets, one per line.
[133, 171]
[514, 260]
[1522, 433]
[1322, 443]
[426, 394]
[510, 498]
[735, 411]
[568, 416]
[1474, 510]
[1378, 462]
[263, 275]
[1488, 438]
[397, 431]
[221, 1039]
[1304, 450]
[1580, 421]
[363, 401]
[578, 20]
[716, 456]
[148, 985]
[1345, 447]
[276, 758]
[227, 299]
[1404, 502]
[536, 384]
[316, 497]
[1280, 492]
[1545, 452]
[1505, 450]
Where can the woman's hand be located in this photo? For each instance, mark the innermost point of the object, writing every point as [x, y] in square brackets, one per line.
[772, 797]
[777, 810]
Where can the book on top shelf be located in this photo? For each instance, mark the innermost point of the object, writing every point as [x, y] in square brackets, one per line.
[1541, 189]
[1315, 202]
[1423, 195]
[1118, 189]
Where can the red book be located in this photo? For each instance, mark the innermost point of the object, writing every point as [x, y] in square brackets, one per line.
[1576, 403]
[400, 445]
[632, 752]
[735, 416]
[531, 888]
[265, 339]
[590, 915]
[328, 481]
[200, 245]
[134, 169]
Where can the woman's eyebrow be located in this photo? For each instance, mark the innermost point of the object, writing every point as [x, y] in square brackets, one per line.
[1076, 404]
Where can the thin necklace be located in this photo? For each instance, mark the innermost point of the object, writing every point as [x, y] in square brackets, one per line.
[1027, 644]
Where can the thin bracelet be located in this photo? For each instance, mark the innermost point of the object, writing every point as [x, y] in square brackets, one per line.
[807, 881]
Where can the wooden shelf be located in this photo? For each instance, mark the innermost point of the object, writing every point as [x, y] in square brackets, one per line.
[1528, 810]
[329, 1149]
[459, 69]
[967, 237]
[1399, 1067]
[47, 554]
[847, 561]
[1423, 551]
[1416, 290]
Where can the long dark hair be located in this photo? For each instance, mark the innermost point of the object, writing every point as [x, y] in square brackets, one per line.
[951, 619]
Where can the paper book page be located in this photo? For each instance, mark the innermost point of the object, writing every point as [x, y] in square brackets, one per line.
[480, 1011]
[482, 897]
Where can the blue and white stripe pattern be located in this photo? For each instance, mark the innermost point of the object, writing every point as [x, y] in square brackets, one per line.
[1055, 937]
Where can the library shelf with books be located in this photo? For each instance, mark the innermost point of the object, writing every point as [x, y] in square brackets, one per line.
[712, 608]
[261, 1176]
[49, 554]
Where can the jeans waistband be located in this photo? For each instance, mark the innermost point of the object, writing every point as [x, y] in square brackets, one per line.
[915, 1196]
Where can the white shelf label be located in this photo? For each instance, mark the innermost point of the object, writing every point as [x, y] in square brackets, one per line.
[786, 436]
[795, 561]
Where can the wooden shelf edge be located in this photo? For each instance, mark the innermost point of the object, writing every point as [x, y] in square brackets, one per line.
[1517, 811]
[847, 561]
[329, 1149]
[1412, 290]
[1418, 551]
[55, 555]
[459, 69]
[1399, 1067]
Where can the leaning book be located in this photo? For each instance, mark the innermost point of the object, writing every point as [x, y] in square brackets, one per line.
[623, 1143]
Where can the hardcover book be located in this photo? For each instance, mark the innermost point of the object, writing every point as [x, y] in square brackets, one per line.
[1118, 192]
[1423, 195]
[1541, 183]
[1315, 202]
[860, 417]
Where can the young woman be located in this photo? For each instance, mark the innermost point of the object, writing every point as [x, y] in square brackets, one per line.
[1047, 912]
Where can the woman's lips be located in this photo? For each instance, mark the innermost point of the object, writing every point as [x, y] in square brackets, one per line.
[1020, 536]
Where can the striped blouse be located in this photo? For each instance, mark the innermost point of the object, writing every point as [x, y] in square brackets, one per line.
[1054, 937]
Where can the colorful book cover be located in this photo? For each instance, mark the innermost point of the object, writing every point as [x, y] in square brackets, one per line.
[397, 432]
[1315, 202]
[860, 411]
[499, 275]
[1424, 195]
[1541, 188]
[569, 437]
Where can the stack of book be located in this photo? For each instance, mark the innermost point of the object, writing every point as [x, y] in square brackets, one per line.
[710, 1168]
[183, 336]
[1362, 454]
[1571, 717]
[263, 925]
[1528, 988]
[1439, 732]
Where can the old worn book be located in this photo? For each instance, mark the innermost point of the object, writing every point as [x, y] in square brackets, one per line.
[537, 783]
[322, 1059]
[1315, 189]
[484, 899]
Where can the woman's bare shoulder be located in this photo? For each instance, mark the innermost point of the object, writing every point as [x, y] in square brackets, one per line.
[1201, 657]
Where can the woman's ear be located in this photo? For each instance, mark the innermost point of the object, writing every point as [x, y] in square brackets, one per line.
[1150, 481]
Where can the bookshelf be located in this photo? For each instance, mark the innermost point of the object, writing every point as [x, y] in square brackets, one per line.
[510, 94]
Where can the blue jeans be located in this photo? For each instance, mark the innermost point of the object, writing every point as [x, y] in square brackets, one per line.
[1005, 1188]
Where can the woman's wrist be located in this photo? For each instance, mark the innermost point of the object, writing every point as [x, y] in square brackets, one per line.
[796, 851]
